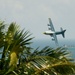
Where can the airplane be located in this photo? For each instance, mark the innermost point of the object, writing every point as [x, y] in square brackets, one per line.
[53, 33]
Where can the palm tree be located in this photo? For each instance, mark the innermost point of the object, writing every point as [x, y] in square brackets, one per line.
[13, 42]
[25, 60]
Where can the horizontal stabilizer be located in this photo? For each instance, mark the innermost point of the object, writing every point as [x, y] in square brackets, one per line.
[63, 31]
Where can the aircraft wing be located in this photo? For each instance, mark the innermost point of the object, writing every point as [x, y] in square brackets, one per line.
[51, 25]
[55, 39]
[52, 28]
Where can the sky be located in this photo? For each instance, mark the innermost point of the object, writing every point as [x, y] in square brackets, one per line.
[33, 15]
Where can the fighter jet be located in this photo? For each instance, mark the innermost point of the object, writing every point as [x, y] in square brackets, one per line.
[51, 31]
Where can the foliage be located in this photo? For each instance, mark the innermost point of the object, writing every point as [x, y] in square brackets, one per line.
[18, 58]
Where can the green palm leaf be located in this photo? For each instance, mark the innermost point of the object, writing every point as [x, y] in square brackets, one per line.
[45, 62]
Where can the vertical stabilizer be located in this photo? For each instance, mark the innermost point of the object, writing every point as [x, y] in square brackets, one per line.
[62, 32]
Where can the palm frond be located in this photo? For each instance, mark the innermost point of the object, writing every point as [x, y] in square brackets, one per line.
[47, 51]
[2, 26]
[46, 60]
[50, 65]
[13, 27]
[22, 38]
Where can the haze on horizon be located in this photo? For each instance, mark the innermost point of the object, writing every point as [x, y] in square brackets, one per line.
[33, 15]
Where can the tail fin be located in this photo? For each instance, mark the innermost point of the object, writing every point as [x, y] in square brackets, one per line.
[63, 31]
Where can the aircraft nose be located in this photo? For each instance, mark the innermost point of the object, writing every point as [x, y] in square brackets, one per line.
[44, 33]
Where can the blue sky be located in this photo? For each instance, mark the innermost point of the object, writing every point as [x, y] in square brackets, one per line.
[33, 15]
